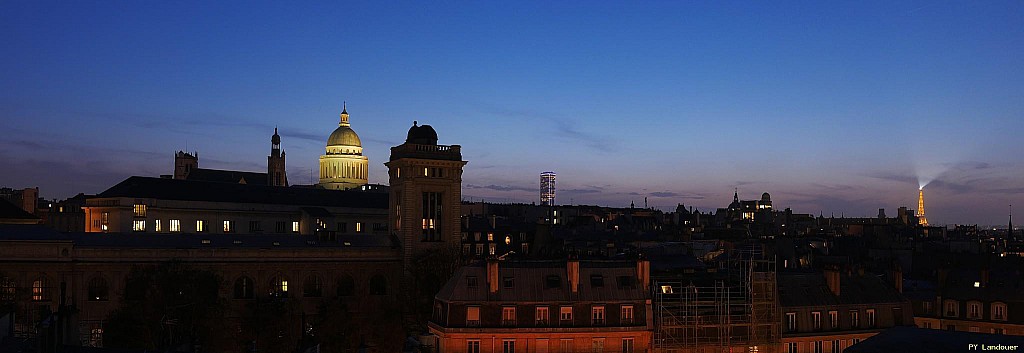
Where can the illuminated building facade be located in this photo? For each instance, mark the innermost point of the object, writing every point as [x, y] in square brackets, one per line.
[547, 188]
[343, 166]
[545, 306]
[832, 310]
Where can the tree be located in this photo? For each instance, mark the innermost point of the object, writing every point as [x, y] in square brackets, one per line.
[169, 306]
[430, 271]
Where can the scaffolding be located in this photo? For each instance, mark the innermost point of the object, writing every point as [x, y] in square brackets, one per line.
[733, 309]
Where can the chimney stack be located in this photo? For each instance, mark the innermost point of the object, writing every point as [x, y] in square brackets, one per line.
[643, 273]
[492, 275]
[572, 272]
[832, 279]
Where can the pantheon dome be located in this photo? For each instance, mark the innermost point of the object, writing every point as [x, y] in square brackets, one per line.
[343, 165]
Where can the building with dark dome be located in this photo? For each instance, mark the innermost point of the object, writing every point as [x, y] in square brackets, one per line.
[343, 165]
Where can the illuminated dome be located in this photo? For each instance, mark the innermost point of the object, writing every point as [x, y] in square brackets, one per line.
[421, 135]
[344, 135]
[343, 165]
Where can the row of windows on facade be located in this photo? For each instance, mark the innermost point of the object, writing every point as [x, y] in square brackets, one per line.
[542, 345]
[228, 226]
[346, 171]
[430, 172]
[819, 346]
[555, 281]
[997, 310]
[975, 329]
[542, 315]
[313, 287]
[244, 288]
[478, 250]
[833, 317]
[490, 237]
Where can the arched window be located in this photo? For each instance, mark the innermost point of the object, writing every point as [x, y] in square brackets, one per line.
[313, 287]
[41, 289]
[7, 289]
[999, 311]
[98, 290]
[378, 285]
[346, 286]
[279, 287]
[244, 288]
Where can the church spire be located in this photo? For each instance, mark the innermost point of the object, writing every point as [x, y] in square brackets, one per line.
[736, 195]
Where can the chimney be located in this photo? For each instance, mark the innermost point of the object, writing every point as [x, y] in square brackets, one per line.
[897, 278]
[492, 275]
[643, 273]
[572, 272]
[832, 279]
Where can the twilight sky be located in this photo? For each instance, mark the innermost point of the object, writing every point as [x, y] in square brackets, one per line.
[831, 107]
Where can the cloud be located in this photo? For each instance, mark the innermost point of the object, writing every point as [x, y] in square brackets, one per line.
[499, 187]
[562, 127]
[580, 191]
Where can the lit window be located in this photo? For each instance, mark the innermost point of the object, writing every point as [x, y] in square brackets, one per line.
[175, 225]
[279, 287]
[490, 249]
[490, 236]
[542, 316]
[140, 210]
[158, 227]
[597, 315]
[41, 289]
[508, 316]
[666, 289]
[139, 225]
[227, 227]
[473, 316]
[200, 226]
[295, 227]
[565, 314]
[626, 315]
[359, 227]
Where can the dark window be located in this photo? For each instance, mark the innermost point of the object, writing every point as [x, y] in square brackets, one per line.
[472, 282]
[98, 290]
[552, 281]
[346, 286]
[625, 282]
[342, 227]
[280, 227]
[313, 287]
[508, 282]
[596, 281]
[244, 288]
[378, 285]
[7, 289]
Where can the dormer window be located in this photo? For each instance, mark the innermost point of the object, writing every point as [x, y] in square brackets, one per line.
[472, 282]
[507, 282]
[552, 281]
[596, 281]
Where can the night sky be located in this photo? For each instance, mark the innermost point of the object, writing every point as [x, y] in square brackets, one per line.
[838, 108]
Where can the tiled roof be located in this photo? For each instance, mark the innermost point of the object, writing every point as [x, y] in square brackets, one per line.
[811, 289]
[187, 190]
[530, 283]
[913, 339]
[227, 176]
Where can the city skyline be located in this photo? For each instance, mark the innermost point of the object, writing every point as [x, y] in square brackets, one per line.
[832, 109]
